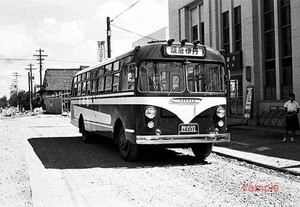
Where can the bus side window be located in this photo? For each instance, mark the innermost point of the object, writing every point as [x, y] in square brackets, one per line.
[128, 77]
[101, 70]
[94, 86]
[116, 82]
[88, 87]
[108, 68]
[79, 89]
[131, 76]
[75, 89]
[116, 65]
[83, 77]
[101, 85]
[83, 90]
[108, 83]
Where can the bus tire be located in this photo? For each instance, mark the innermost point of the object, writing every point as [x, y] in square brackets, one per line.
[202, 151]
[86, 136]
[128, 151]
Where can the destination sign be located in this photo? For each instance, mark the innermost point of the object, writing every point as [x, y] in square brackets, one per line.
[185, 51]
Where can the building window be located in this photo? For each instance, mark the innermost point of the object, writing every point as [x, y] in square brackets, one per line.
[194, 21]
[269, 50]
[202, 39]
[195, 32]
[226, 39]
[286, 49]
[181, 23]
[237, 29]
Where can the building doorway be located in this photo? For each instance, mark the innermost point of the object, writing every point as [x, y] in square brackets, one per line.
[236, 96]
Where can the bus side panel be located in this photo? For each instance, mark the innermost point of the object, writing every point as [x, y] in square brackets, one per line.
[115, 116]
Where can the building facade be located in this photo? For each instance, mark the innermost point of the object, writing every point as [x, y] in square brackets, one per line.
[261, 44]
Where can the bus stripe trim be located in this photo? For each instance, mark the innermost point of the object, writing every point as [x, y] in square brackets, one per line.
[186, 111]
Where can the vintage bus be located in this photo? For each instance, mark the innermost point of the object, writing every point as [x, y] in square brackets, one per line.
[168, 94]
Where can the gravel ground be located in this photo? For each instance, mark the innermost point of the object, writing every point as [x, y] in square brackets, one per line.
[44, 163]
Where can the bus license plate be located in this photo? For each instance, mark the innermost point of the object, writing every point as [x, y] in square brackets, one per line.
[188, 128]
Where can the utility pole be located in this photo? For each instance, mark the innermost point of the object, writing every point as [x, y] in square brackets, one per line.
[30, 78]
[108, 32]
[16, 87]
[40, 59]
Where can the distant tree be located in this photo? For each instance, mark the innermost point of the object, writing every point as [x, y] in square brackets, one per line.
[21, 98]
[13, 100]
[3, 102]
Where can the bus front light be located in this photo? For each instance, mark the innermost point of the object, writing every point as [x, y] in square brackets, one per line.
[150, 124]
[150, 112]
[221, 123]
[221, 112]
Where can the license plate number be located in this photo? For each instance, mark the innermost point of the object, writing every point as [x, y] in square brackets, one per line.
[191, 128]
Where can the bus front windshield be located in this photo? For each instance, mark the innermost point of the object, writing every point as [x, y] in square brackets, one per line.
[176, 77]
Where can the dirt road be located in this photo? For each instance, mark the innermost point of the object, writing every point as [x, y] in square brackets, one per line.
[43, 162]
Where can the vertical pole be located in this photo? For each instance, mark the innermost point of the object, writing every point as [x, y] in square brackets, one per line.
[31, 91]
[29, 86]
[108, 37]
[40, 59]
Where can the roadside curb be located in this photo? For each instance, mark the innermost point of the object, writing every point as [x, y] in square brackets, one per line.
[252, 158]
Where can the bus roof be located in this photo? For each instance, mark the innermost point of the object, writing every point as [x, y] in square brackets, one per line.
[155, 51]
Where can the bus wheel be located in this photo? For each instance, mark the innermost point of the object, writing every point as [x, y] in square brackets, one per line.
[128, 151]
[201, 151]
[86, 136]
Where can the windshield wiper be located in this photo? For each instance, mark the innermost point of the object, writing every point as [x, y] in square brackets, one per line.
[210, 84]
[177, 78]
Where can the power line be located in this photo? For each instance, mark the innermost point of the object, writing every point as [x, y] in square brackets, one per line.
[15, 59]
[125, 10]
[108, 31]
[50, 60]
[132, 32]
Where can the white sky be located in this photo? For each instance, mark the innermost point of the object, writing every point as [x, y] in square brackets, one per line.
[68, 31]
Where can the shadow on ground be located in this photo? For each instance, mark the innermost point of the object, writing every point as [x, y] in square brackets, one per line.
[263, 142]
[73, 153]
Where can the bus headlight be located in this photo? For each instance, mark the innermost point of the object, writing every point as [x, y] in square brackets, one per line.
[150, 112]
[221, 112]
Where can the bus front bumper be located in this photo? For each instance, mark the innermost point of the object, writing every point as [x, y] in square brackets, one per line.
[182, 139]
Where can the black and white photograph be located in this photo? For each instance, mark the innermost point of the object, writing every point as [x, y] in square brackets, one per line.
[149, 103]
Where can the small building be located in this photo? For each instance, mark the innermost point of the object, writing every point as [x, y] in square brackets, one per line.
[57, 88]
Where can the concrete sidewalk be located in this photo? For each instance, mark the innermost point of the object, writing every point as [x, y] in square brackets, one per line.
[262, 146]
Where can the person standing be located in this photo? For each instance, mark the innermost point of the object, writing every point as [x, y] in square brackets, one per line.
[291, 120]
